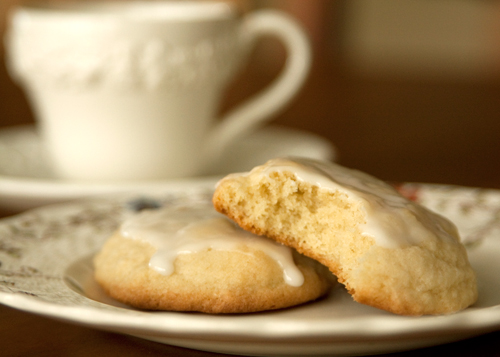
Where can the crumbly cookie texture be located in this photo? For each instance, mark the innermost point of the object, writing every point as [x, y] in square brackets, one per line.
[213, 281]
[389, 253]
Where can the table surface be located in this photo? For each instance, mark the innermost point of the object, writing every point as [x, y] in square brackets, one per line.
[398, 130]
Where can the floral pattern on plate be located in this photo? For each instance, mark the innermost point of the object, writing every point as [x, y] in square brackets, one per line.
[475, 211]
[36, 247]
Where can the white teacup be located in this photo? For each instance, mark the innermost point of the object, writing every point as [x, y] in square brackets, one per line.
[130, 90]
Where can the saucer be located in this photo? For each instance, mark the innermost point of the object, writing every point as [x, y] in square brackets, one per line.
[47, 270]
[26, 180]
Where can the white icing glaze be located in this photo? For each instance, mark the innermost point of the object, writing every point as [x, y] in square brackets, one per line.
[192, 230]
[392, 220]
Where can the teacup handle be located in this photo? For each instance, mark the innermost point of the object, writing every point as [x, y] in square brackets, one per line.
[263, 106]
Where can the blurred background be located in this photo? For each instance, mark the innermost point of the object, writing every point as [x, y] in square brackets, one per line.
[407, 90]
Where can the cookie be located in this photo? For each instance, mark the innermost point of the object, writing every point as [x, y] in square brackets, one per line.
[389, 252]
[195, 259]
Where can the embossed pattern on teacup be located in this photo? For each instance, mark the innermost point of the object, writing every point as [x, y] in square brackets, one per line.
[124, 63]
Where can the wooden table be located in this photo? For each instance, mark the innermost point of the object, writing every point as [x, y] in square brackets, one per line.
[426, 131]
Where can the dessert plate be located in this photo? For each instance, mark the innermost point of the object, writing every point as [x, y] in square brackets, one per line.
[26, 180]
[46, 269]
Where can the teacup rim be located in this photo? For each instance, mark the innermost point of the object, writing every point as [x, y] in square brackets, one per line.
[139, 10]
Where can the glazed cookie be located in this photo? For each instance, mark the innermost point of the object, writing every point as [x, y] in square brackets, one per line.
[389, 252]
[195, 259]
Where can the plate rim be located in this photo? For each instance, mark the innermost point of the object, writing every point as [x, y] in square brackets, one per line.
[487, 322]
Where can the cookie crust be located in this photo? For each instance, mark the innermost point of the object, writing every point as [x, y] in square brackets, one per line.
[211, 282]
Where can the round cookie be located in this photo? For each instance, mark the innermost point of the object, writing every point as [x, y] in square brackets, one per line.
[389, 252]
[207, 274]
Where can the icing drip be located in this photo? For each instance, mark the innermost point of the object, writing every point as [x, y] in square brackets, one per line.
[193, 230]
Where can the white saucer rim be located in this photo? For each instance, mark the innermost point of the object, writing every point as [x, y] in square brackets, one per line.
[327, 149]
[18, 193]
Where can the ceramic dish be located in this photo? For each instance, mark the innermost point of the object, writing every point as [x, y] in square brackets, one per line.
[26, 180]
[46, 269]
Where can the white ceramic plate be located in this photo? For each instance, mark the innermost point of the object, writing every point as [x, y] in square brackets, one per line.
[46, 269]
[26, 180]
